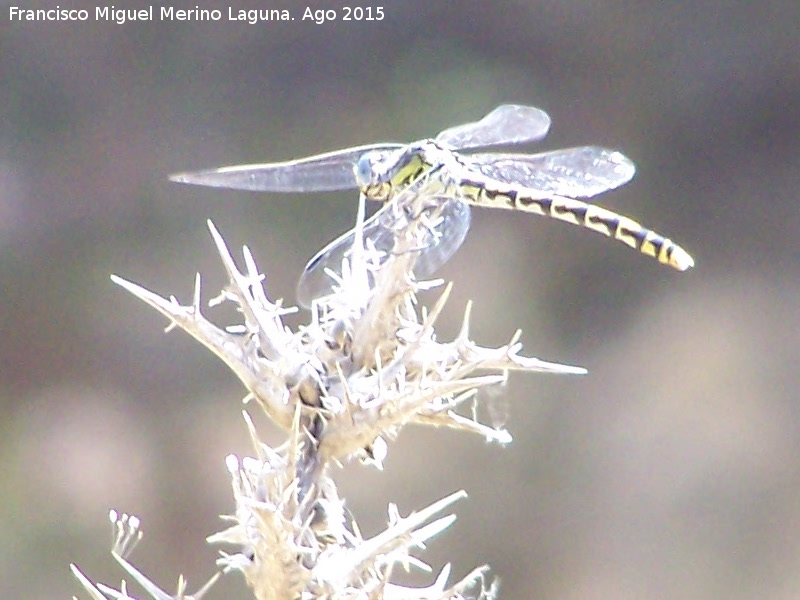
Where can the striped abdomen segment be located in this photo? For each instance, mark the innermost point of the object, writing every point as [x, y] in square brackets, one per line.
[577, 212]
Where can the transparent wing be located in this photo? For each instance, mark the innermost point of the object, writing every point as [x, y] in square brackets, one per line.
[322, 172]
[506, 124]
[446, 238]
[574, 172]
[442, 242]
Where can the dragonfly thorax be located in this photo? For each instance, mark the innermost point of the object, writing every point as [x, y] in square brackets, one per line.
[380, 173]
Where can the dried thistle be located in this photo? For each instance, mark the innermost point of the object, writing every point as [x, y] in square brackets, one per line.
[342, 387]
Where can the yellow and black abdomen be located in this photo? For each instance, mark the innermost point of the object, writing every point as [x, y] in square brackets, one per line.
[604, 221]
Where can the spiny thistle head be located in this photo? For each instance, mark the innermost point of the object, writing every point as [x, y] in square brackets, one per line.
[342, 386]
[369, 360]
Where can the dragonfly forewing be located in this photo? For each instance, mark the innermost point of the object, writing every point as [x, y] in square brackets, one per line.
[323, 172]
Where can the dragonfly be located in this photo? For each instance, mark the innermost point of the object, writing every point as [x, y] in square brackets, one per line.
[551, 184]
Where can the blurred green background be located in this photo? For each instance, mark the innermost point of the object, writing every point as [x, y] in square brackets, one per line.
[671, 471]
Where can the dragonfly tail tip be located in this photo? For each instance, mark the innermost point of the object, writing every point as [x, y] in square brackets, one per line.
[681, 259]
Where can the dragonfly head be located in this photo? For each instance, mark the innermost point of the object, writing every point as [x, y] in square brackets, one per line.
[374, 171]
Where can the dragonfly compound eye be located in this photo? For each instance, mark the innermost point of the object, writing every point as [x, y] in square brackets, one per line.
[365, 169]
[372, 175]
